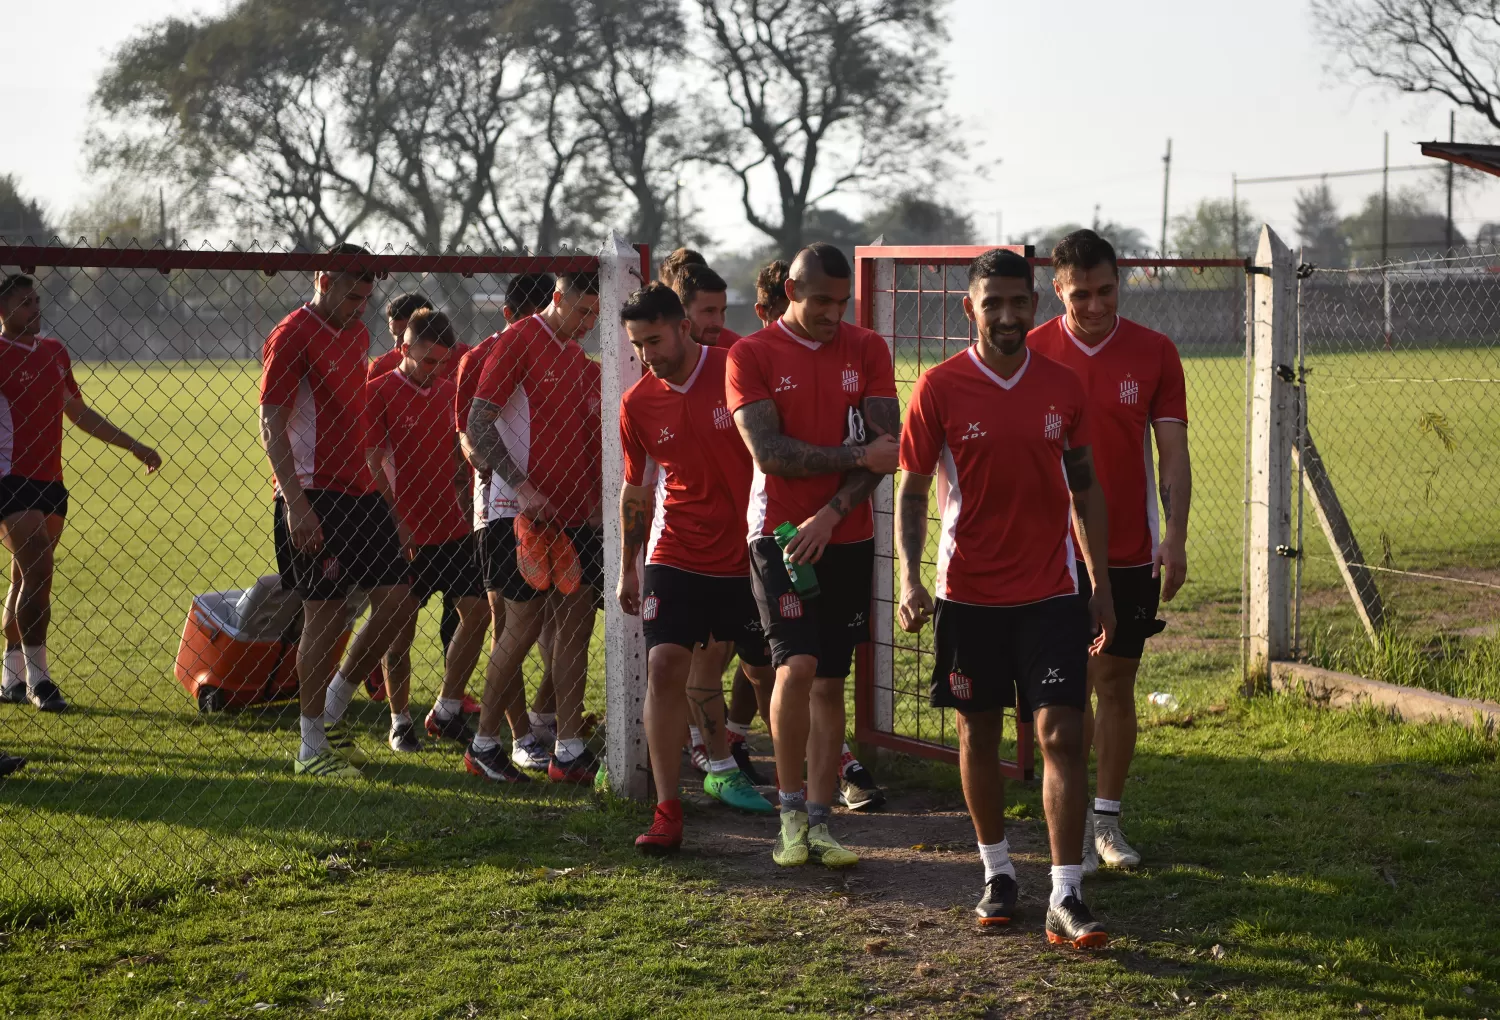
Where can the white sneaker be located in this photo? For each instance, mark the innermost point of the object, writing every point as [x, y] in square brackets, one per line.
[1110, 846]
[530, 755]
[1090, 851]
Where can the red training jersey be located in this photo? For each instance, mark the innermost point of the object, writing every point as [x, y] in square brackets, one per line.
[727, 338]
[36, 383]
[318, 373]
[466, 377]
[996, 446]
[391, 360]
[414, 426]
[549, 394]
[1133, 378]
[683, 440]
[817, 389]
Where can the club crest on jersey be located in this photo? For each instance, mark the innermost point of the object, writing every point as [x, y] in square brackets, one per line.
[722, 418]
[649, 608]
[331, 568]
[1130, 390]
[1052, 425]
[785, 385]
[790, 606]
[974, 431]
[961, 686]
[1054, 675]
[850, 381]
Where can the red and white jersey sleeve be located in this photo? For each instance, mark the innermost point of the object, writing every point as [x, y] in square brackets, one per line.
[412, 426]
[548, 392]
[996, 446]
[1133, 379]
[683, 441]
[387, 362]
[36, 383]
[318, 374]
[818, 390]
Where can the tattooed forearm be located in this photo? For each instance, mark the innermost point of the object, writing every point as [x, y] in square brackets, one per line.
[1079, 466]
[1166, 502]
[856, 488]
[911, 519]
[779, 454]
[634, 515]
[489, 450]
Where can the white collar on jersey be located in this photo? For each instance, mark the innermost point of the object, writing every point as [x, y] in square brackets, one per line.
[36, 341]
[335, 330]
[693, 376]
[424, 390]
[1085, 348]
[809, 344]
[1004, 384]
[548, 329]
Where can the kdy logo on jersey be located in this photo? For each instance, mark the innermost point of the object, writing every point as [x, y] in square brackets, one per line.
[1130, 390]
[1054, 675]
[961, 686]
[850, 381]
[790, 606]
[722, 418]
[666, 434]
[1052, 425]
[649, 608]
[786, 385]
[974, 431]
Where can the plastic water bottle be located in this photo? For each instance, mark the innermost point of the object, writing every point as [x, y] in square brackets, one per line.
[1162, 699]
[804, 579]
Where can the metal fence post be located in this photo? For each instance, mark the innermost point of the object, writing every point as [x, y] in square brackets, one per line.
[624, 647]
[1273, 428]
[883, 502]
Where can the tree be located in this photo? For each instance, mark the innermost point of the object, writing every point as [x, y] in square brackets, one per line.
[1414, 229]
[820, 97]
[1448, 48]
[909, 218]
[22, 219]
[1319, 228]
[1209, 230]
[1126, 240]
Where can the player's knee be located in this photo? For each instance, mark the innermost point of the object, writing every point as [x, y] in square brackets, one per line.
[1059, 733]
[797, 671]
[829, 689]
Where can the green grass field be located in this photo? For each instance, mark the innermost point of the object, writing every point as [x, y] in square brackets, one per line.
[1340, 859]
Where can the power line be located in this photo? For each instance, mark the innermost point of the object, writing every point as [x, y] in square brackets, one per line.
[1333, 173]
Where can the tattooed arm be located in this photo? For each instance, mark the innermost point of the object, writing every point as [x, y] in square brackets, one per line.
[1091, 519]
[915, 607]
[1176, 489]
[778, 454]
[635, 515]
[491, 457]
[883, 418]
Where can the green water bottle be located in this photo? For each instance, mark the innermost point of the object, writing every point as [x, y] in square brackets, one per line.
[804, 580]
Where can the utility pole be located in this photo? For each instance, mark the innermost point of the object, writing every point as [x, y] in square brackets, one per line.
[677, 209]
[1385, 202]
[1448, 249]
[1166, 184]
[1234, 211]
[1096, 217]
[161, 211]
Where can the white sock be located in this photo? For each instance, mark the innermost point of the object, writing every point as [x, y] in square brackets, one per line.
[996, 858]
[483, 743]
[336, 698]
[695, 736]
[447, 708]
[314, 740]
[743, 729]
[723, 765]
[1106, 811]
[15, 667]
[567, 750]
[846, 750]
[400, 717]
[542, 720]
[36, 664]
[1067, 880]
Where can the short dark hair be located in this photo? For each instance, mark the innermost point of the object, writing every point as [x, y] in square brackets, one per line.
[350, 248]
[695, 280]
[673, 265]
[770, 282]
[404, 306]
[830, 260]
[529, 293]
[999, 262]
[652, 303]
[431, 325]
[14, 282]
[1083, 250]
[585, 282]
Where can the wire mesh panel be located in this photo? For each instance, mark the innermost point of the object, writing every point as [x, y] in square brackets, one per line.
[144, 778]
[914, 297]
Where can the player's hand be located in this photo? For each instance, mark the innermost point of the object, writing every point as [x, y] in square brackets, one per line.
[812, 537]
[628, 591]
[1170, 564]
[306, 529]
[408, 547]
[147, 456]
[882, 455]
[1102, 616]
[915, 608]
[534, 505]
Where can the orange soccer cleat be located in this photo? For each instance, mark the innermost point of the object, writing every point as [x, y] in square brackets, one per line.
[532, 559]
[567, 572]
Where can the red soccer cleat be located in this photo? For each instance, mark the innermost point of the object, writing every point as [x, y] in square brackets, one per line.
[665, 835]
[471, 707]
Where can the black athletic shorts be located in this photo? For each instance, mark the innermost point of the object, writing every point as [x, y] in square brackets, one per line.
[19, 494]
[448, 567]
[680, 607]
[502, 575]
[361, 547]
[1137, 595]
[827, 626]
[986, 655]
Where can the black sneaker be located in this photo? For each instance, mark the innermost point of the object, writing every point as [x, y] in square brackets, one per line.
[1070, 924]
[46, 697]
[998, 904]
[857, 788]
[11, 763]
[740, 750]
[14, 694]
[493, 765]
[449, 727]
[576, 770]
[404, 737]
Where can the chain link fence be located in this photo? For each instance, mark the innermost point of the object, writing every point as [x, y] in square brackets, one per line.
[142, 781]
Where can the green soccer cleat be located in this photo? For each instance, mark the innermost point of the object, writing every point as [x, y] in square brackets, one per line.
[734, 789]
[790, 850]
[827, 851]
[341, 739]
[326, 765]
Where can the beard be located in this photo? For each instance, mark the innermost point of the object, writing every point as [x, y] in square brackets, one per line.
[1007, 344]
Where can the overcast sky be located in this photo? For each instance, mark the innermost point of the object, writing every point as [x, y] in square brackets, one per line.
[1077, 108]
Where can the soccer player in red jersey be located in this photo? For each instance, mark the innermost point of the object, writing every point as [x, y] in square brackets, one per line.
[333, 532]
[687, 478]
[37, 391]
[398, 311]
[1135, 386]
[1006, 432]
[815, 399]
[418, 467]
[705, 299]
[534, 425]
